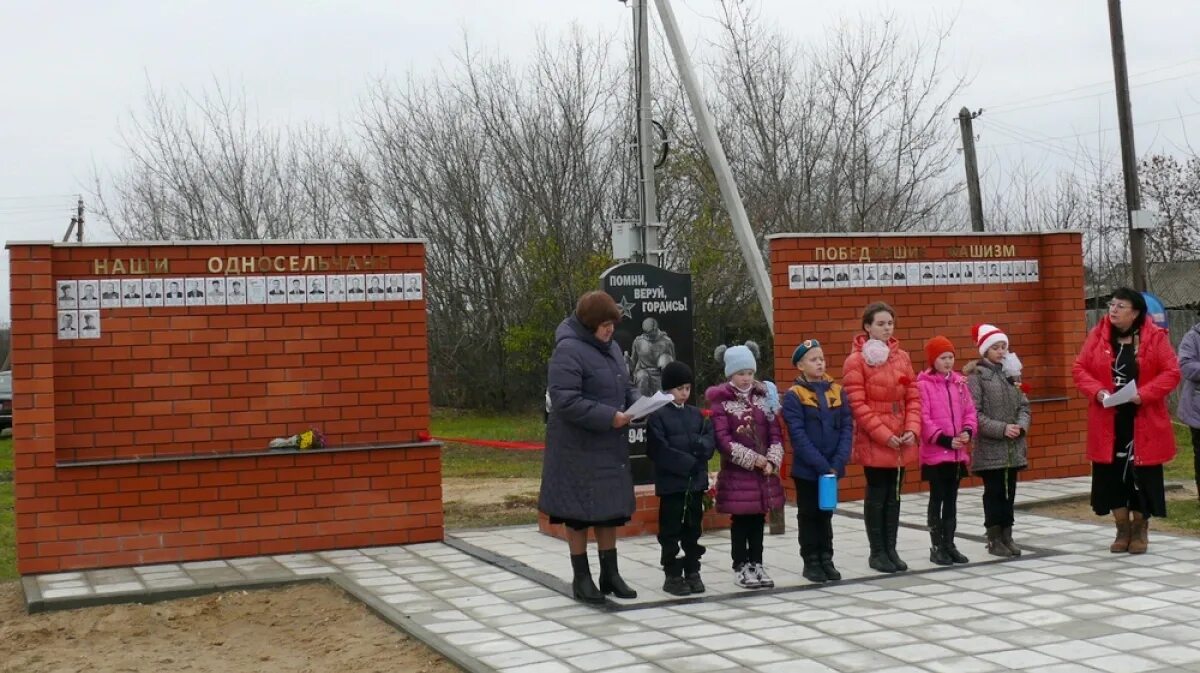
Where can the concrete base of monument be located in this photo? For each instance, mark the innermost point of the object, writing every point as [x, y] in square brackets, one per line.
[644, 521]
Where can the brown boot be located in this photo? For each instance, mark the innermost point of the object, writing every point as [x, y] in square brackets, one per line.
[1006, 538]
[1121, 544]
[995, 545]
[1139, 534]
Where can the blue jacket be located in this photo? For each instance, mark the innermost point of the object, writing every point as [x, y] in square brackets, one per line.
[679, 441]
[820, 428]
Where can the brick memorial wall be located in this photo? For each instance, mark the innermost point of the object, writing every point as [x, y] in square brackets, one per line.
[149, 378]
[1029, 285]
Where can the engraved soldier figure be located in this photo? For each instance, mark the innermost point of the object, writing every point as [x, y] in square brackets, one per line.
[651, 351]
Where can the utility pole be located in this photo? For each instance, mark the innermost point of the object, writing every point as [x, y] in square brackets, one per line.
[648, 215]
[1133, 199]
[79, 219]
[968, 140]
[720, 164]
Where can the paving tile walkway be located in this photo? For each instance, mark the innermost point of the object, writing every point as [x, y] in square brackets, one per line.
[494, 601]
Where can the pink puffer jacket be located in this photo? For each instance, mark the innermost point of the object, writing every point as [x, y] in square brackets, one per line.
[946, 410]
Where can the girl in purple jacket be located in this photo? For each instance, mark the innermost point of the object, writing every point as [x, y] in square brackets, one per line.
[751, 447]
[947, 424]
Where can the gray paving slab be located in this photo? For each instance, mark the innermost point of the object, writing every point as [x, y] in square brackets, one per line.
[496, 600]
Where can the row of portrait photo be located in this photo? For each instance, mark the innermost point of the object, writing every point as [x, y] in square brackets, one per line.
[79, 324]
[911, 274]
[237, 290]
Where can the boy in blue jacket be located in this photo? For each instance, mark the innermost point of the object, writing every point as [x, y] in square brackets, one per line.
[679, 443]
[817, 413]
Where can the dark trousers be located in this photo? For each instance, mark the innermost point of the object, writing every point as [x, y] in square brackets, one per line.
[943, 498]
[882, 482]
[999, 493]
[679, 516]
[1196, 455]
[815, 525]
[746, 532]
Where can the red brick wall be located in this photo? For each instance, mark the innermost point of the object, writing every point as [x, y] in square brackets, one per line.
[169, 383]
[1043, 319]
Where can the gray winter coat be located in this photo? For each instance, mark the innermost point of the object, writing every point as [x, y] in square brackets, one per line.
[585, 470]
[1189, 366]
[998, 402]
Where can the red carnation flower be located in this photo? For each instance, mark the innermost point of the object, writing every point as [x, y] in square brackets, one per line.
[1025, 388]
[424, 436]
[707, 413]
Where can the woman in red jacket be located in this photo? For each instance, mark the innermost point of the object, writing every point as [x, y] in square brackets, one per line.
[879, 380]
[1128, 443]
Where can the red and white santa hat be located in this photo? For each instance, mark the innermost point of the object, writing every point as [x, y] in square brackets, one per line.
[986, 336]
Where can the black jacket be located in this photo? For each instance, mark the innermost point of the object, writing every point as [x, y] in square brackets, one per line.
[679, 441]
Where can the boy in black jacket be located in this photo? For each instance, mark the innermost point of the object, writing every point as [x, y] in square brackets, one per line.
[680, 442]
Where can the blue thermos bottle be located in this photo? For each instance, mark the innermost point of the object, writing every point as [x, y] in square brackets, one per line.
[827, 492]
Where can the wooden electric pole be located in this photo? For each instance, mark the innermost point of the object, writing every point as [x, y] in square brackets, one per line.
[1133, 199]
[648, 213]
[968, 140]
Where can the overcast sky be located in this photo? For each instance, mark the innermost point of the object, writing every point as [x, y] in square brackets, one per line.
[73, 71]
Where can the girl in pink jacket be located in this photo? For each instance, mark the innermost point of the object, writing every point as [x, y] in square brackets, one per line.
[947, 424]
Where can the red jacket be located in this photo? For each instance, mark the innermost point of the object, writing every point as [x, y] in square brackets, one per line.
[885, 402]
[1158, 374]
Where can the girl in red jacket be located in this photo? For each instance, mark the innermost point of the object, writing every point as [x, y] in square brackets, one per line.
[948, 422]
[1128, 443]
[879, 380]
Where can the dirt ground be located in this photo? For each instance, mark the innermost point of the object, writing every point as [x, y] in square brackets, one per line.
[304, 628]
[301, 629]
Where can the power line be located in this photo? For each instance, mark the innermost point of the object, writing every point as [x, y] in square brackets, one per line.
[1100, 94]
[1092, 85]
[38, 197]
[1112, 128]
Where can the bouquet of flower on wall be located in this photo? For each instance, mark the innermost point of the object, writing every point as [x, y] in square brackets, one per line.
[311, 438]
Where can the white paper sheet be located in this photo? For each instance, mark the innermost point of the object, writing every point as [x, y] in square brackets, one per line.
[648, 405]
[1125, 394]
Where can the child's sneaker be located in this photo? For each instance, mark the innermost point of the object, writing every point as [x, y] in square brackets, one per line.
[676, 586]
[744, 577]
[695, 584]
[760, 575]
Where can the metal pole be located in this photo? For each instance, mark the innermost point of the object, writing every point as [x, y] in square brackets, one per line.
[1133, 199]
[720, 164]
[648, 217]
[968, 141]
[79, 220]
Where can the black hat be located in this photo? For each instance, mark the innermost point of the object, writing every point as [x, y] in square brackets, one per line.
[676, 374]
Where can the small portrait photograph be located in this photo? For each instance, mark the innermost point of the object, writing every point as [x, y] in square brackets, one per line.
[913, 271]
[827, 278]
[812, 281]
[89, 324]
[316, 288]
[954, 272]
[968, 272]
[926, 274]
[235, 291]
[152, 292]
[857, 273]
[67, 296]
[173, 292]
[1031, 271]
[1019, 271]
[131, 293]
[841, 275]
[110, 294]
[939, 273]
[68, 325]
[376, 287]
[277, 290]
[89, 294]
[214, 291]
[413, 290]
[899, 273]
[989, 272]
[356, 287]
[1006, 272]
[256, 290]
[884, 277]
[795, 277]
[395, 286]
[336, 287]
[193, 291]
[297, 292]
[869, 274]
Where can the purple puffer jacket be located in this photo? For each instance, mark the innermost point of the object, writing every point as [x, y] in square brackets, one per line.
[745, 428]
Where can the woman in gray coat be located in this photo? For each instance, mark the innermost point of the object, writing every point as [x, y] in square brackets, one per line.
[586, 480]
[1189, 394]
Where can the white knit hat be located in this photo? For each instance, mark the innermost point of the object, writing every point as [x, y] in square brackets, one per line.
[987, 336]
[738, 358]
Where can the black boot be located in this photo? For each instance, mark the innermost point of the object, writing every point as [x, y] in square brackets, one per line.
[691, 574]
[674, 583]
[892, 525]
[610, 579]
[876, 536]
[995, 545]
[582, 586]
[826, 553]
[813, 570]
[937, 543]
[948, 527]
